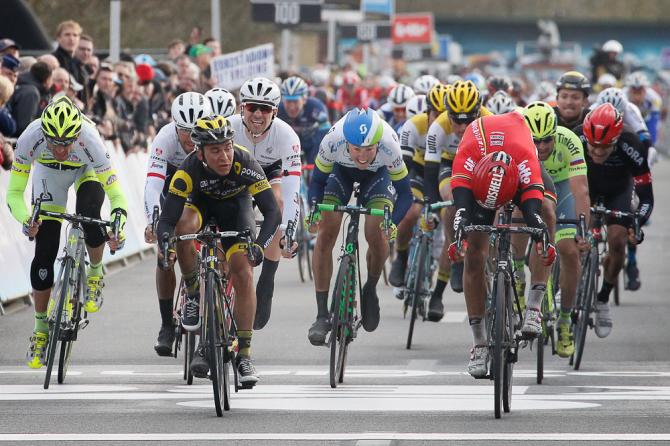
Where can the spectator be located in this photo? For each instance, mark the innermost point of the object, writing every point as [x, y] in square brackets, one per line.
[68, 36]
[214, 44]
[188, 80]
[7, 123]
[124, 71]
[8, 46]
[50, 60]
[10, 68]
[605, 60]
[151, 88]
[31, 95]
[194, 38]
[132, 110]
[103, 101]
[65, 83]
[84, 52]
[175, 49]
[26, 63]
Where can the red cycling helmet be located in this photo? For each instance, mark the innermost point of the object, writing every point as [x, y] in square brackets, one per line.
[495, 180]
[603, 125]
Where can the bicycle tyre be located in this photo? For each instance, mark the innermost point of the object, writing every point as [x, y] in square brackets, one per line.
[584, 300]
[416, 275]
[302, 254]
[66, 345]
[55, 324]
[498, 338]
[616, 289]
[189, 350]
[337, 327]
[508, 372]
[215, 345]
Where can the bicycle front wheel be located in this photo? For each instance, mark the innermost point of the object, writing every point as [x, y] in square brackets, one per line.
[585, 298]
[510, 343]
[341, 317]
[56, 318]
[415, 286]
[215, 345]
[498, 360]
[66, 344]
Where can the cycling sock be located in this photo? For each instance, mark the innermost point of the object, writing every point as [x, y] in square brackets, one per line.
[441, 284]
[322, 303]
[372, 281]
[165, 306]
[478, 330]
[41, 324]
[604, 293]
[244, 340]
[191, 281]
[632, 254]
[564, 315]
[266, 281]
[95, 269]
[536, 295]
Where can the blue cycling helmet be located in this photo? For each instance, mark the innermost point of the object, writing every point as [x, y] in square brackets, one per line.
[293, 88]
[362, 127]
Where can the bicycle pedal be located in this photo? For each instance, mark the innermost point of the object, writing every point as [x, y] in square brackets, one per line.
[83, 323]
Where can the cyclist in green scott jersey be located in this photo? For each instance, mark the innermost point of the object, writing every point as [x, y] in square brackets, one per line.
[562, 155]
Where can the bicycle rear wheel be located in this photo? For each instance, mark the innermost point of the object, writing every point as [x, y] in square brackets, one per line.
[497, 361]
[189, 349]
[585, 297]
[414, 284]
[55, 319]
[341, 314]
[215, 344]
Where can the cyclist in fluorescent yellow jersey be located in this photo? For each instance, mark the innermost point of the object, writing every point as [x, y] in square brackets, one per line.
[413, 145]
[463, 105]
[66, 149]
[562, 155]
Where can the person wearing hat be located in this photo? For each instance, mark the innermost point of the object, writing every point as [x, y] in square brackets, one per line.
[68, 35]
[10, 68]
[606, 60]
[32, 94]
[7, 122]
[8, 46]
[572, 93]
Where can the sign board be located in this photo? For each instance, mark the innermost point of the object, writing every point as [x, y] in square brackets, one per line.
[366, 31]
[232, 69]
[386, 7]
[412, 52]
[286, 12]
[412, 28]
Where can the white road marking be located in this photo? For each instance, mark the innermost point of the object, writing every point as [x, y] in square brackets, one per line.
[454, 317]
[401, 436]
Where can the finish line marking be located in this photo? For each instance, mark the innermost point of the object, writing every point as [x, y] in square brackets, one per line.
[339, 436]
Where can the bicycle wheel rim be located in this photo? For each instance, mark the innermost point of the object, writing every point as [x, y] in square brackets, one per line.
[416, 287]
[66, 346]
[498, 334]
[348, 325]
[55, 327]
[213, 344]
[335, 328]
[583, 314]
[508, 372]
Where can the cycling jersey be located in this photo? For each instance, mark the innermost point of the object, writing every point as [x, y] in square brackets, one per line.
[358, 98]
[441, 142]
[567, 158]
[334, 150]
[280, 149]
[510, 134]
[165, 158]
[650, 108]
[627, 164]
[193, 180]
[413, 139]
[574, 123]
[310, 125]
[88, 161]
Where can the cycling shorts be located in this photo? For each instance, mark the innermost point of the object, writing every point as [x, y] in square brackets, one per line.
[618, 198]
[376, 189]
[565, 209]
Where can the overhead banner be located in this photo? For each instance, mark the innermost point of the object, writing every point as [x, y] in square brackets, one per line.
[386, 7]
[412, 28]
[232, 69]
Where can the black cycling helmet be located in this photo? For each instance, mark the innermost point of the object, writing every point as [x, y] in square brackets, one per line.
[212, 130]
[574, 80]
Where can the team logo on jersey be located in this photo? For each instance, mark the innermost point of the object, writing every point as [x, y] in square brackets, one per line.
[497, 139]
[363, 129]
[469, 165]
[42, 273]
[111, 180]
[296, 148]
[524, 172]
[238, 168]
[159, 151]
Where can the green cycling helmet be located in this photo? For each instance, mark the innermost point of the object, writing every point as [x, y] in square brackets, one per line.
[541, 118]
[61, 120]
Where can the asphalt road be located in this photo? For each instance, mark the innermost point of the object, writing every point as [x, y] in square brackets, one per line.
[118, 391]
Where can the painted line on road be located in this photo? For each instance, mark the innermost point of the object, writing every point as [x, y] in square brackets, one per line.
[454, 317]
[402, 436]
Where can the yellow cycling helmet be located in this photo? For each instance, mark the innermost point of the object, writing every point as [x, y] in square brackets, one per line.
[463, 98]
[435, 97]
[61, 120]
[212, 130]
[541, 118]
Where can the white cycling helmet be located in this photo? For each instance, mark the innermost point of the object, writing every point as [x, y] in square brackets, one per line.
[614, 96]
[607, 79]
[294, 88]
[222, 101]
[500, 103]
[399, 96]
[424, 83]
[260, 90]
[545, 90]
[637, 80]
[416, 105]
[320, 76]
[189, 107]
[613, 46]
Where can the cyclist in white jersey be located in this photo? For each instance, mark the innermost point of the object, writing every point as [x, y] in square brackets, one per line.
[168, 150]
[276, 147]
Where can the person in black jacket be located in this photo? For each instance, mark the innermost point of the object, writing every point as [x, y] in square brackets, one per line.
[30, 96]
[68, 34]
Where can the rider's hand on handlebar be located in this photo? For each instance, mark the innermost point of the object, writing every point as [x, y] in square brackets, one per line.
[389, 233]
[428, 225]
[31, 230]
[632, 239]
[255, 255]
[582, 244]
[549, 256]
[456, 255]
[287, 252]
[172, 256]
[313, 224]
[149, 235]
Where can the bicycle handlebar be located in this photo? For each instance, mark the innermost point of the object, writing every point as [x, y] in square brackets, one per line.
[600, 210]
[349, 209]
[206, 237]
[35, 215]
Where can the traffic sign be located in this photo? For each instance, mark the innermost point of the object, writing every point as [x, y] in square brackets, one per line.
[366, 31]
[286, 12]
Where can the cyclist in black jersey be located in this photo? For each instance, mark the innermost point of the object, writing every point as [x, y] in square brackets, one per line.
[217, 181]
[616, 165]
[572, 93]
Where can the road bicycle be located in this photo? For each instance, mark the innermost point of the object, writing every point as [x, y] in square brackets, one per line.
[66, 314]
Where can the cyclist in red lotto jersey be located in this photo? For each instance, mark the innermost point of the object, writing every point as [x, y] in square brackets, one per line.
[496, 162]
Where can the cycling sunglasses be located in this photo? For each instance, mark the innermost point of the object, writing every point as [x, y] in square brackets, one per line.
[60, 142]
[546, 139]
[251, 108]
[462, 119]
[602, 146]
